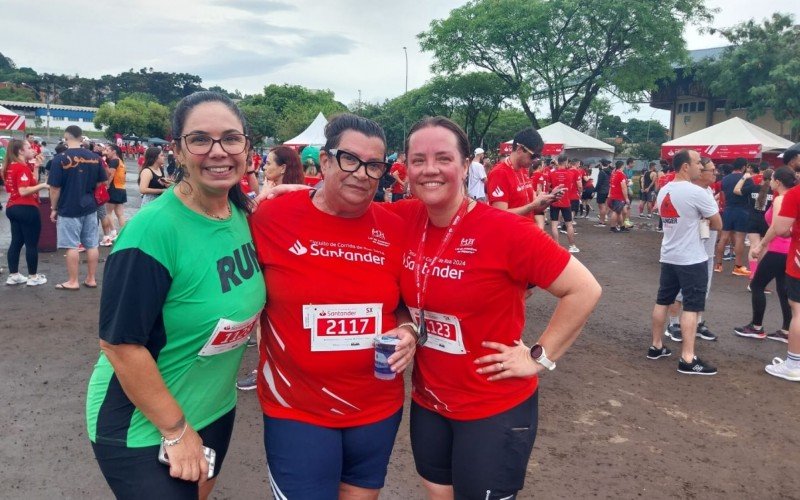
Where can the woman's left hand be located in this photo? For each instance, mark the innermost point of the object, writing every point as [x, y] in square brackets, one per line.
[510, 361]
[404, 352]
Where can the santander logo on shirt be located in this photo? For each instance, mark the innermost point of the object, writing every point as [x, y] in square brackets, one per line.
[669, 214]
[350, 252]
[498, 193]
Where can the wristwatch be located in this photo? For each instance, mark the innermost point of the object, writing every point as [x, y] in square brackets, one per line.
[540, 356]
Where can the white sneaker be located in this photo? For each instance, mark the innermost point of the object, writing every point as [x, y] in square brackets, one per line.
[39, 279]
[780, 369]
[16, 279]
[573, 249]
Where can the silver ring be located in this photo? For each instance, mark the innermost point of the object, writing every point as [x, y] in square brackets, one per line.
[502, 368]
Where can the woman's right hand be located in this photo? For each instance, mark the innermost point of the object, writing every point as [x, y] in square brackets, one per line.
[186, 459]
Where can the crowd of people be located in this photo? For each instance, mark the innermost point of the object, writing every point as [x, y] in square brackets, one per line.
[324, 258]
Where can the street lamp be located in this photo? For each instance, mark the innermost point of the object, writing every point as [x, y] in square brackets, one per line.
[47, 100]
[405, 50]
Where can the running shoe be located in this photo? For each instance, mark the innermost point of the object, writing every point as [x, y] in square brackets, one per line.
[750, 331]
[658, 352]
[704, 333]
[628, 223]
[81, 248]
[659, 230]
[696, 367]
[624, 229]
[718, 269]
[36, 280]
[574, 249]
[649, 216]
[740, 271]
[248, 382]
[615, 229]
[766, 290]
[728, 256]
[16, 279]
[779, 368]
[779, 335]
[674, 333]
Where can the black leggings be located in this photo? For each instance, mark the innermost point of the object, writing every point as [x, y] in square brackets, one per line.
[25, 229]
[773, 265]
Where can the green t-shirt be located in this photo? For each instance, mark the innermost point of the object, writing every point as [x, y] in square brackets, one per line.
[2, 153]
[189, 289]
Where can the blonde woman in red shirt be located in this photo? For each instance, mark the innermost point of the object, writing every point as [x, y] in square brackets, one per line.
[23, 212]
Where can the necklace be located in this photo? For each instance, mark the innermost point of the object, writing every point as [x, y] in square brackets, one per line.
[218, 217]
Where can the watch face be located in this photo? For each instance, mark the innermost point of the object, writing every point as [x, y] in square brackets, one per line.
[536, 351]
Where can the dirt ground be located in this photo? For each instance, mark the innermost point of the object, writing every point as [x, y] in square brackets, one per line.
[613, 424]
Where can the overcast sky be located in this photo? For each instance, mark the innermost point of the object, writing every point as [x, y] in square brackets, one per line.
[342, 45]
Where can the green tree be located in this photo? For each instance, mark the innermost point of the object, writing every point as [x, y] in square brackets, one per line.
[508, 123]
[563, 53]
[761, 70]
[133, 116]
[17, 94]
[647, 151]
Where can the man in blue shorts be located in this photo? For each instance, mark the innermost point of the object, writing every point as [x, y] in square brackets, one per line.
[734, 220]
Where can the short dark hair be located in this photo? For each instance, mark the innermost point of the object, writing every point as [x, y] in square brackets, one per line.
[529, 138]
[629, 161]
[60, 148]
[785, 176]
[75, 131]
[618, 164]
[562, 159]
[790, 155]
[116, 149]
[343, 122]
[681, 157]
[462, 141]
[739, 164]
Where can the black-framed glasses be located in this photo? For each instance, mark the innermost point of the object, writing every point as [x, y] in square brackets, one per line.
[201, 144]
[349, 162]
[533, 155]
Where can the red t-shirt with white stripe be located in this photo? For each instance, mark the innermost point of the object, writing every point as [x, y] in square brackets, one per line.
[313, 258]
[20, 175]
[480, 279]
[510, 185]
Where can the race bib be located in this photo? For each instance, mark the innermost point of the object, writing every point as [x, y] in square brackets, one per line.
[228, 335]
[342, 327]
[444, 331]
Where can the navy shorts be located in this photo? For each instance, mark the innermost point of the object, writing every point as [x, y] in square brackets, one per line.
[309, 462]
[485, 458]
[601, 198]
[735, 219]
[566, 213]
[134, 473]
[574, 205]
[691, 281]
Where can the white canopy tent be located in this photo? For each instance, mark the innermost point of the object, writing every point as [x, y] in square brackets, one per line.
[727, 140]
[559, 138]
[313, 135]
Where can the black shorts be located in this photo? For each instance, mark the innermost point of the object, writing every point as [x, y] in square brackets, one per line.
[793, 288]
[483, 459]
[574, 205]
[691, 281]
[601, 198]
[587, 194]
[134, 473]
[616, 205]
[566, 213]
[644, 195]
[117, 196]
[757, 224]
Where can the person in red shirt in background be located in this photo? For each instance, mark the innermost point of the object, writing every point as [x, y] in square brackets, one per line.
[398, 171]
[23, 212]
[561, 208]
[474, 405]
[509, 187]
[539, 181]
[256, 165]
[574, 192]
[618, 200]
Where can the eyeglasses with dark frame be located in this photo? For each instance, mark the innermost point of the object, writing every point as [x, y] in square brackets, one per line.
[348, 162]
[533, 155]
[201, 144]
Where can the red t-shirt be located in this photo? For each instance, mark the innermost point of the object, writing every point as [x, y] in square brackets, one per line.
[400, 169]
[245, 185]
[666, 179]
[539, 181]
[20, 175]
[572, 192]
[615, 190]
[312, 258]
[492, 257]
[791, 208]
[511, 186]
[757, 179]
[563, 177]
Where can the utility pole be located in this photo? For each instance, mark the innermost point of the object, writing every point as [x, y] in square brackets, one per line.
[405, 50]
